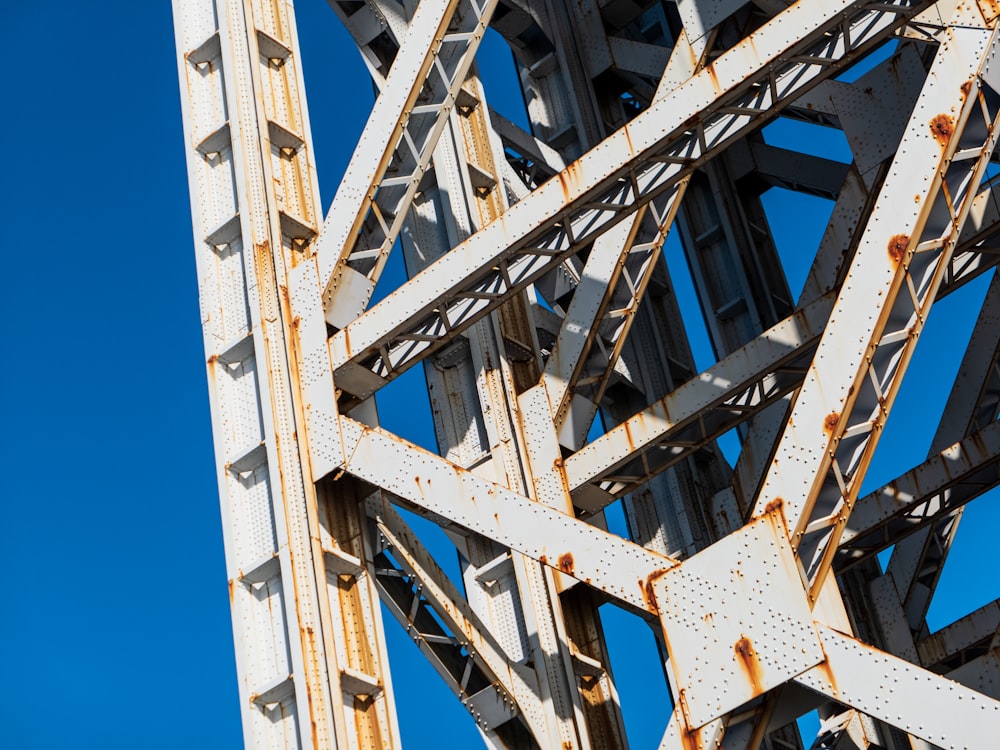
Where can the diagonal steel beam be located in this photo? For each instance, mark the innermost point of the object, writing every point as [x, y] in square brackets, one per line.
[710, 404]
[719, 399]
[621, 263]
[860, 676]
[917, 561]
[741, 90]
[395, 149]
[951, 645]
[900, 263]
[460, 497]
[922, 496]
[458, 645]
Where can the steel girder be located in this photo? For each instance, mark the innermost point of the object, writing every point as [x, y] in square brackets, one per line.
[732, 567]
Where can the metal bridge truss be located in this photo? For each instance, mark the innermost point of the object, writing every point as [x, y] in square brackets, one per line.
[539, 300]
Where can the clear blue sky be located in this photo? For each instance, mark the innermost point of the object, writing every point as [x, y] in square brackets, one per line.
[115, 622]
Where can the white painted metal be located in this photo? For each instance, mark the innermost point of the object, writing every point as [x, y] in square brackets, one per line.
[864, 678]
[756, 630]
[741, 90]
[395, 149]
[834, 425]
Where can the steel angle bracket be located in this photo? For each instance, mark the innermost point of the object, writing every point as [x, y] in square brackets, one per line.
[736, 620]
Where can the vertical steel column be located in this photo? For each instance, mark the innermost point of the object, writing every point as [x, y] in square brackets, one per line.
[306, 620]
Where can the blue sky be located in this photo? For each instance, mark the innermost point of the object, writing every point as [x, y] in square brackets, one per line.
[115, 623]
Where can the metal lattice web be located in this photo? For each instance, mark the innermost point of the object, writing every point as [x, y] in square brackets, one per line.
[562, 380]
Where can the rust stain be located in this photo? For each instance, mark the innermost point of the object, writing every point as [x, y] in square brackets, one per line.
[989, 9]
[231, 591]
[690, 739]
[824, 667]
[747, 658]
[647, 587]
[830, 423]
[690, 736]
[724, 517]
[966, 88]
[311, 636]
[543, 559]
[569, 180]
[778, 502]
[628, 137]
[897, 247]
[942, 129]
[710, 72]
[566, 563]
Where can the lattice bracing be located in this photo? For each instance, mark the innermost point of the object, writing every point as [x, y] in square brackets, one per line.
[548, 253]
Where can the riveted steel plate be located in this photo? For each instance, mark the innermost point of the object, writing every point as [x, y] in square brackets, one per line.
[736, 620]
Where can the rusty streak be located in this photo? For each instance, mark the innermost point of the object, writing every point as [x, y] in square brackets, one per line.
[748, 659]
[647, 587]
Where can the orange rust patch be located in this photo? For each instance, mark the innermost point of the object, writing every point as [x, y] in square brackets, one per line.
[830, 423]
[775, 504]
[990, 9]
[647, 587]
[824, 667]
[747, 658]
[231, 591]
[710, 71]
[942, 129]
[897, 247]
[569, 180]
[543, 559]
[566, 563]
[966, 88]
[690, 739]
[628, 137]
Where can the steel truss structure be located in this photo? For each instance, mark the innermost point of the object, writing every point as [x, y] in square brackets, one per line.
[539, 301]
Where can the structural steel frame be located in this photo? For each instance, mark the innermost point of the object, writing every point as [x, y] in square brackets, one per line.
[538, 301]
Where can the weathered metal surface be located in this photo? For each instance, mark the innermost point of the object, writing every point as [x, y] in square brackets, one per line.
[540, 298]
